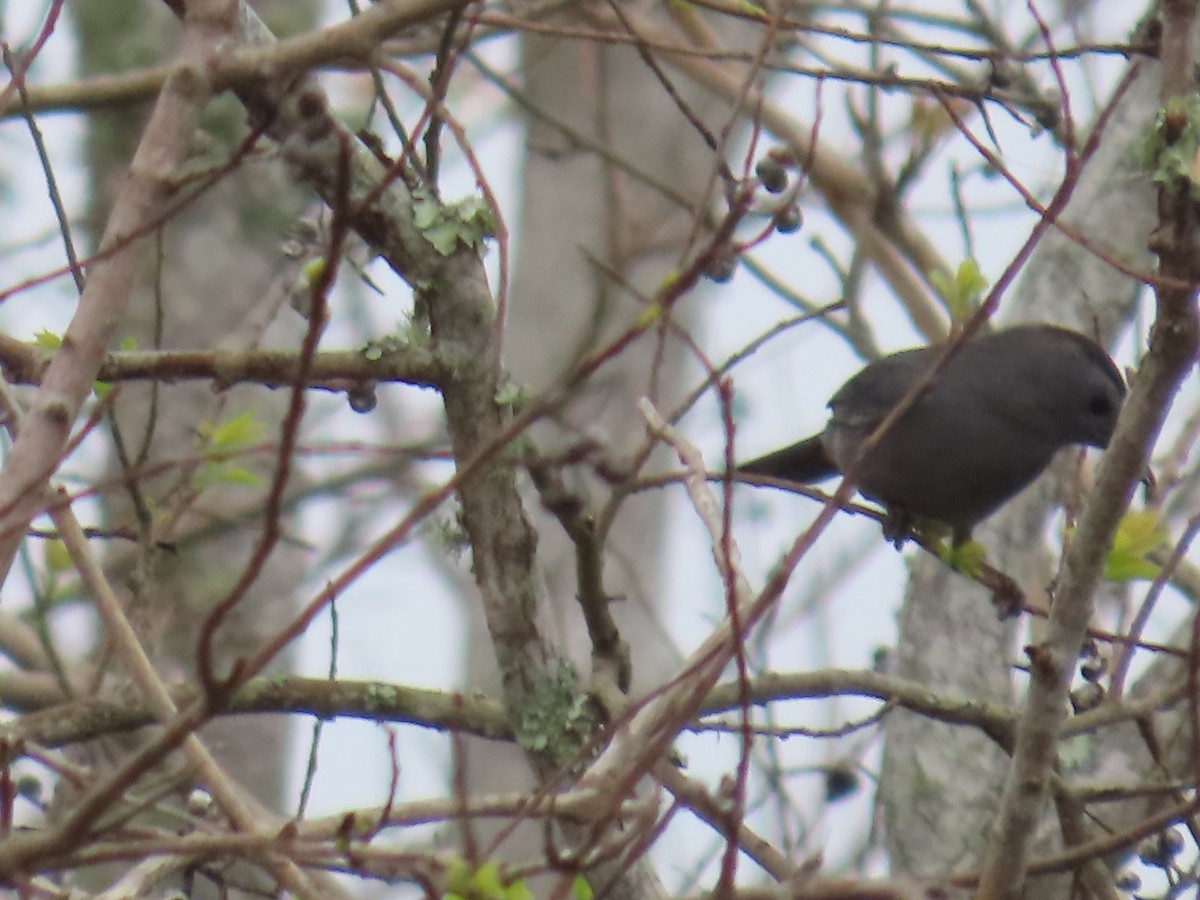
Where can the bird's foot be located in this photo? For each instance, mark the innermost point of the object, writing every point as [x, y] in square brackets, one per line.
[898, 527]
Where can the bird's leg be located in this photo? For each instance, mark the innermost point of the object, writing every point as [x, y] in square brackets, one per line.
[898, 526]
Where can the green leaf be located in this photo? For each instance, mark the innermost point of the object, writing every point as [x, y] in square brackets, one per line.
[458, 876]
[581, 890]
[969, 279]
[485, 881]
[239, 475]
[967, 557]
[1139, 535]
[128, 344]
[234, 434]
[46, 339]
[963, 293]
[518, 890]
[221, 442]
[311, 271]
[57, 557]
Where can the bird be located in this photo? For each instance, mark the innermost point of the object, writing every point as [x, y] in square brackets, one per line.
[989, 422]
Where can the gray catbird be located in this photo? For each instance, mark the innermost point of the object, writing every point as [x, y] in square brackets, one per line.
[987, 426]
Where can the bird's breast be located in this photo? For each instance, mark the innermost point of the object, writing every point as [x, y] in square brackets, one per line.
[956, 475]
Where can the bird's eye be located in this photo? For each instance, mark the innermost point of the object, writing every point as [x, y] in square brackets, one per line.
[1100, 405]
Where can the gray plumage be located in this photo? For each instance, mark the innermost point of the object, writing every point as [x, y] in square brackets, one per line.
[988, 425]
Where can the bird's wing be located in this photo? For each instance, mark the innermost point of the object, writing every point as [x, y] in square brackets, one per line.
[864, 400]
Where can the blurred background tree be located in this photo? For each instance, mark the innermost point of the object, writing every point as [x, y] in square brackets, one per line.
[529, 210]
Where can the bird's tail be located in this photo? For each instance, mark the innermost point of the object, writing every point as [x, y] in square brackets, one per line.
[804, 462]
